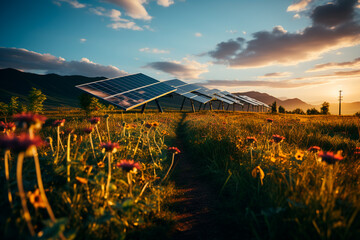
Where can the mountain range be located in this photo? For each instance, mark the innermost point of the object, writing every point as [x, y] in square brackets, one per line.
[61, 91]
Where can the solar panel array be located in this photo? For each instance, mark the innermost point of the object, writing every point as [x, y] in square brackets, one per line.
[129, 91]
[184, 89]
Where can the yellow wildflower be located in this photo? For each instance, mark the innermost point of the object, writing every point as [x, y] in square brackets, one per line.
[258, 171]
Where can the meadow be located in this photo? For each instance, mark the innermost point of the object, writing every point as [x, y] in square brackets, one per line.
[110, 176]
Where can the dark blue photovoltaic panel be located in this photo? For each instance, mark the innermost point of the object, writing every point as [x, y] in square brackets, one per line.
[117, 85]
[188, 87]
[193, 96]
[129, 91]
[132, 99]
[175, 82]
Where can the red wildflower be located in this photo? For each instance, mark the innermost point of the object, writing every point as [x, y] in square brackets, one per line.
[269, 120]
[357, 151]
[278, 138]
[20, 143]
[25, 120]
[174, 150]
[94, 120]
[330, 157]
[251, 139]
[314, 149]
[128, 165]
[88, 130]
[109, 147]
[5, 127]
[59, 123]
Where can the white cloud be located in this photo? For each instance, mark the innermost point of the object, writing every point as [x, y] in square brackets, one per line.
[153, 50]
[298, 6]
[165, 3]
[296, 16]
[73, 3]
[133, 8]
[184, 69]
[198, 34]
[24, 59]
[114, 16]
[82, 40]
[125, 25]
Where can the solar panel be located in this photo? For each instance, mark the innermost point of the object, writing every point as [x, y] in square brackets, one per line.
[193, 96]
[118, 85]
[175, 82]
[129, 91]
[189, 87]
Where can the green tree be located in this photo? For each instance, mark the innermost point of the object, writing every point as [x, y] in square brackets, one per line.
[298, 111]
[312, 111]
[13, 106]
[3, 109]
[36, 99]
[325, 108]
[273, 107]
[281, 109]
[85, 101]
[89, 103]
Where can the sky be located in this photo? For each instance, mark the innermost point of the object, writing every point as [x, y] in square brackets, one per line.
[307, 49]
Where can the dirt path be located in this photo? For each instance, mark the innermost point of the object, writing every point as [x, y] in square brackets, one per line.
[195, 200]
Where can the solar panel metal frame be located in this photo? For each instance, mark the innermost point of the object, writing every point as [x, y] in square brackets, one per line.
[134, 92]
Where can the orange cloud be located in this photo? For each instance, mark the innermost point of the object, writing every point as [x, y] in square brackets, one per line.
[333, 65]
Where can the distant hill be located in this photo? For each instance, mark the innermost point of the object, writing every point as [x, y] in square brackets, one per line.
[60, 90]
[288, 104]
[291, 104]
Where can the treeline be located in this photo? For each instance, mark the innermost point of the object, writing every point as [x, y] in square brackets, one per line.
[35, 100]
[324, 110]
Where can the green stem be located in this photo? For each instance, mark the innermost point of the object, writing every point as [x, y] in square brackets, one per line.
[107, 127]
[109, 176]
[172, 163]
[7, 175]
[58, 144]
[92, 145]
[41, 186]
[129, 178]
[27, 216]
[68, 160]
[137, 144]
[98, 133]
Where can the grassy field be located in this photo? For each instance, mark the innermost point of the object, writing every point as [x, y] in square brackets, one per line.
[269, 184]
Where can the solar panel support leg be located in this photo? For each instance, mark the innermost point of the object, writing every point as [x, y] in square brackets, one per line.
[211, 108]
[204, 106]
[192, 105]
[200, 106]
[182, 105]
[143, 108]
[222, 106]
[159, 106]
[248, 107]
[234, 107]
[219, 106]
[228, 107]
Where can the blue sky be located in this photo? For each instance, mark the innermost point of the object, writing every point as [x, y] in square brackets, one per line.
[304, 48]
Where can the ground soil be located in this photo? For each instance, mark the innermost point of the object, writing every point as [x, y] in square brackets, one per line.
[195, 200]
